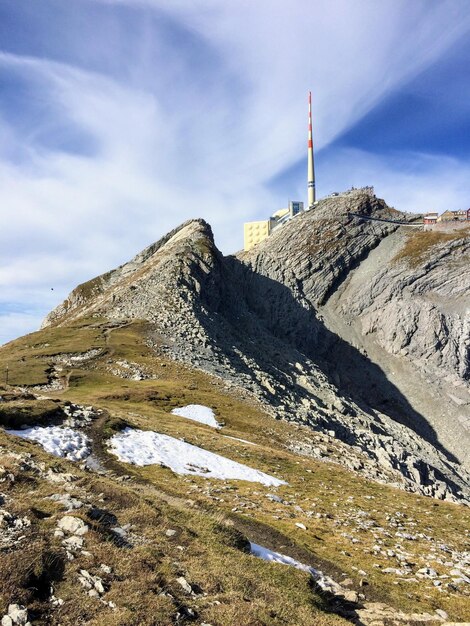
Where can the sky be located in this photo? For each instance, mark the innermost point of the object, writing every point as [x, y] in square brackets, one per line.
[121, 119]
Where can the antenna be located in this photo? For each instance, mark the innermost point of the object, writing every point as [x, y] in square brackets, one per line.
[310, 163]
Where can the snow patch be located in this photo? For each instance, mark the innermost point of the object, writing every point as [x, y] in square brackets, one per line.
[59, 441]
[250, 443]
[142, 447]
[324, 582]
[198, 413]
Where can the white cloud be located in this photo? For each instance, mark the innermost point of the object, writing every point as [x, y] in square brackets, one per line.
[412, 182]
[197, 128]
[16, 324]
[349, 54]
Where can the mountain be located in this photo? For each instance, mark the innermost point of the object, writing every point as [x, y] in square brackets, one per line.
[305, 402]
[313, 322]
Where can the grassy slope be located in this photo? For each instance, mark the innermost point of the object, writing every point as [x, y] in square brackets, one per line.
[419, 245]
[250, 591]
[29, 358]
[204, 549]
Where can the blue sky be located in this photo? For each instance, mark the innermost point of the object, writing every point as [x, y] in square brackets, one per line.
[120, 119]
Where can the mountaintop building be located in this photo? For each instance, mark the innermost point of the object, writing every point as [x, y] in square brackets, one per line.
[451, 216]
[255, 232]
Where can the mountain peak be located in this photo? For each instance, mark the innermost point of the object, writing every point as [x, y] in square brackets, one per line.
[351, 332]
[101, 294]
[307, 295]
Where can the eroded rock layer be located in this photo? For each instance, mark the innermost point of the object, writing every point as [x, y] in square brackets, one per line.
[354, 327]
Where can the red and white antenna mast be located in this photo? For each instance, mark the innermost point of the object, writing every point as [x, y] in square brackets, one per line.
[310, 167]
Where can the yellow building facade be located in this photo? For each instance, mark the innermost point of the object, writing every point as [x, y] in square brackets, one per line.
[281, 213]
[254, 232]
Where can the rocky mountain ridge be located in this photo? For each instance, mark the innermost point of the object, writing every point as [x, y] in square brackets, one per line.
[295, 324]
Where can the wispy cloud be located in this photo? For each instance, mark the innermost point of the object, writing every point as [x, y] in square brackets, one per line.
[410, 181]
[167, 111]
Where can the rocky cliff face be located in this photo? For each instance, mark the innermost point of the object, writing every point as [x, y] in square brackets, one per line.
[333, 321]
[415, 295]
[146, 286]
[416, 303]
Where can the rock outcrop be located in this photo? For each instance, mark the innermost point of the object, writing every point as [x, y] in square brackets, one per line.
[312, 322]
[398, 296]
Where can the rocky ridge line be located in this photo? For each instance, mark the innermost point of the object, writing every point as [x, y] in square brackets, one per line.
[256, 322]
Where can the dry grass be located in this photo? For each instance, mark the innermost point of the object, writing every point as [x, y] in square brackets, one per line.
[236, 589]
[208, 515]
[419, 245]
[29, 358]
[18, 413]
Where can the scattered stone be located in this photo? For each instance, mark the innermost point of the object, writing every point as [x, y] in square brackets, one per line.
[12, 528]
[73, 543]
[426, 572]
[56, 602]
[185, 585]
[67, 501]
[99, 585]
[17, 615]
[351, 596]
[55, 476]
[274, 498]
[93, 584]
[393, 570]
[73, 525]
[186, 613]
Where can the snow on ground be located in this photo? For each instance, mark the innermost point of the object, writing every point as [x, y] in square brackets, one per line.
[142, 447]
[324, 582]
[65, 442]
[198, 413]
[250, 443]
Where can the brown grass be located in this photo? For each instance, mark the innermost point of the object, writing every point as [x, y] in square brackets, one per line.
[30, 412]
[143, 579]
[420, 245]
[208, 548]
